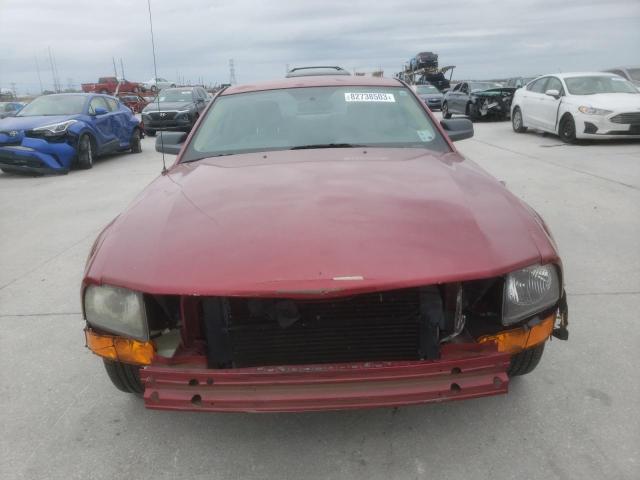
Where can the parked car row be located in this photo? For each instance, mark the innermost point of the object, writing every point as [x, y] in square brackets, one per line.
[115, 85]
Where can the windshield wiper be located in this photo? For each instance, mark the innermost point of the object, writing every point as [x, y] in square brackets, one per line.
[326, 145]
[208, 156]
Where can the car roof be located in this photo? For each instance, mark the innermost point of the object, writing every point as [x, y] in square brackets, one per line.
[578, 74]
[316, 70]
[314, 81]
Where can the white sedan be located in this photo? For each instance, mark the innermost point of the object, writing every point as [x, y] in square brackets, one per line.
[157, 84]
[578, 105]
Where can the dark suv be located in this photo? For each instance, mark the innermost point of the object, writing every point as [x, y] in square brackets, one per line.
[174, 109]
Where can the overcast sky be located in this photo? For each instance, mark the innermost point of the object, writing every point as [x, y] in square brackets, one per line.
[196, 38]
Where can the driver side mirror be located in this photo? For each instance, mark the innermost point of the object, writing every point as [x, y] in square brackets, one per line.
[170, 142]
[553, 93]
[100, 111]
[458, 129]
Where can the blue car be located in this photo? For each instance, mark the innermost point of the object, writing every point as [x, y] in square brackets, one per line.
[57, 132]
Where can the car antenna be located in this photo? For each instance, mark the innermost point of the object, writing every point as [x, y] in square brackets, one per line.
[155, 77]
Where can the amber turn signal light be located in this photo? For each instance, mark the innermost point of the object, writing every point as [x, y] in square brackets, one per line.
[518, 339]
[120, 349]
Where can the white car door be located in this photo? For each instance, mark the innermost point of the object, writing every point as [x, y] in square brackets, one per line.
[548, 105]
[531, 104]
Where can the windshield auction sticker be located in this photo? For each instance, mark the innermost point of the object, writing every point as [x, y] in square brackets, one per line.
[369, 97]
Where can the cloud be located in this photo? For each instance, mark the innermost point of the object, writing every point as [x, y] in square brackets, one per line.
[196, 38]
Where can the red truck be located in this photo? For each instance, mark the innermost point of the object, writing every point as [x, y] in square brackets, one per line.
[110, 84]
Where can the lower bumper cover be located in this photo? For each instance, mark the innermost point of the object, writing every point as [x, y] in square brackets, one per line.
[37, 156]
[464, 371]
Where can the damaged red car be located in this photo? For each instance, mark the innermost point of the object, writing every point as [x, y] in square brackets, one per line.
[320, 244]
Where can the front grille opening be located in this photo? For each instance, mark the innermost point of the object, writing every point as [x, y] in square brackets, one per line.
[378, 326]
[406, 324]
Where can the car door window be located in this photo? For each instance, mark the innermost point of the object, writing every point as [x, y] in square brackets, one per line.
[539, 85]
[554, 84]
[464, 88]
[112, 104]
[457, 87]
[97, 102]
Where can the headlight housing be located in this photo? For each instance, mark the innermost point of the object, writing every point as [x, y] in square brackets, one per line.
[529, 291]
[593, 111]
[183, 115]
[116, 310]
[55, 129]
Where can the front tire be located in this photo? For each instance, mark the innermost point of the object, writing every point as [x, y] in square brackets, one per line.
[567, 129]
[85, 152]
[135, 143]
[124, 377]
[445, 111]
[517, 122]
[525, 361]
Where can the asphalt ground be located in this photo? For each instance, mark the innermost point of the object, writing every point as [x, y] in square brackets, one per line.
[576, 417]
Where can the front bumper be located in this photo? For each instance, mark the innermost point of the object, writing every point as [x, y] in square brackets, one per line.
[600, 126]
[174, 124]
[35, 155]
[464, 371]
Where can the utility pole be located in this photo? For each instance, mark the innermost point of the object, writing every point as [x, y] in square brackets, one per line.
[122, 68]
[232, 72]
[39, 78]
[13, 88]
[57, 74]
[115, 70]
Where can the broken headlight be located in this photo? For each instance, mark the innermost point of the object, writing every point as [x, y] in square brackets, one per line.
[529, 291]
[116, 310]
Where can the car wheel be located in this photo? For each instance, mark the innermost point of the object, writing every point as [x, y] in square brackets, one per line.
[151, 133]
[525, 361]
[567, 130]
[445, 111]
[135, 143]
[85, 152]
[173, 85]
[154, 88]
[516, 121]
[471, 111]
[125, 378]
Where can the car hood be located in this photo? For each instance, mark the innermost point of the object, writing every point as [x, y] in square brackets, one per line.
[322, 222]
[28, 123]
[427, 96]
[493, 92]
[627, 102]
[153, 107]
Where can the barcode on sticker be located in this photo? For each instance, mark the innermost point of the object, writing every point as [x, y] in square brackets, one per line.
[369, 97]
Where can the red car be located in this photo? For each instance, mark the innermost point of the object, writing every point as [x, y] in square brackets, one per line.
[320, 244]
[108, 85]
[135, 102]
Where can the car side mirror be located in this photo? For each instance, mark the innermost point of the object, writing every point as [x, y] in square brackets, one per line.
[101, 111]
[458, 129]
[553, 93]
[170, 142]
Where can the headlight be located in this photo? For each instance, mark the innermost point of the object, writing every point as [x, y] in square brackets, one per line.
[116, 310]
[55, 128]
[593, 111]
[183, 114]
[529, 291]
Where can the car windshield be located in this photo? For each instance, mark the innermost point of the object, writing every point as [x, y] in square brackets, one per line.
[634, 73]
[477, 86]
[318, 117]
[590, 85]
[175, 95]
[422, 89]
[54, 105]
